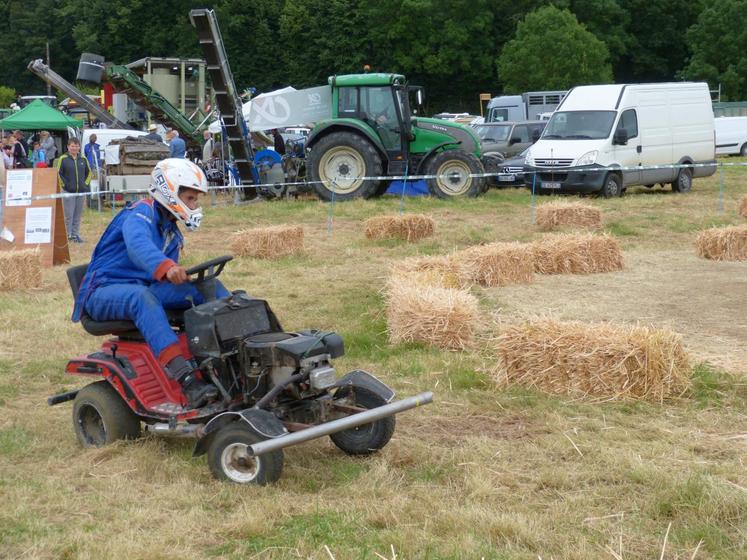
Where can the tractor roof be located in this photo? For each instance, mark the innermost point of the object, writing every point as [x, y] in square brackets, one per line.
[378, 79]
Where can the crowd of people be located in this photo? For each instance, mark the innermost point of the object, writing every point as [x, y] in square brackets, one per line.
[39, 150]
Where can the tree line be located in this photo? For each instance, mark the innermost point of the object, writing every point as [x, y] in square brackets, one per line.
[455, 48]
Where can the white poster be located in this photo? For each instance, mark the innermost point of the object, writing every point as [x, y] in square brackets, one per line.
[38, 225]
[18, 192]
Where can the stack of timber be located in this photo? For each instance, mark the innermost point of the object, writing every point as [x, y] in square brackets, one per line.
[137, 156]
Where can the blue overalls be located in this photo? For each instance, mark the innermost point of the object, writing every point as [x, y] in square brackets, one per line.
[125, 279]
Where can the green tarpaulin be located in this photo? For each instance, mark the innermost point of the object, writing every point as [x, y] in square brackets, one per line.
[37, 115]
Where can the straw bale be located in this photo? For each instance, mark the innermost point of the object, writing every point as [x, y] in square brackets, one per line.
[743, 207]
[409, 227]
[269, 242]
[441, 270]
[566, 253]
[597, 362]
[723, 244]
[497, 264]
[442, 317]
[554, 215]
[20, 269]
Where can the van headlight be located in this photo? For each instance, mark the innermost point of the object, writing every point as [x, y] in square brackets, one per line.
[588, 158]
[529, 159]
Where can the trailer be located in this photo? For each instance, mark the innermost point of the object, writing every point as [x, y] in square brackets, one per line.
[528, 106]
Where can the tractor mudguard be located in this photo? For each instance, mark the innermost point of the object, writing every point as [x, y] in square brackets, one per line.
[364, 380]
[352, 125]
[263, 422]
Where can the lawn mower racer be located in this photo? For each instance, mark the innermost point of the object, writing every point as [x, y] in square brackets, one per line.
[233, 379]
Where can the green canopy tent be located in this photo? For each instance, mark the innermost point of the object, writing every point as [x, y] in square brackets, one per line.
[37, 115]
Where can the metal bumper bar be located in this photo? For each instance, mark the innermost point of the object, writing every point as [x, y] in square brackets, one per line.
[339, 425]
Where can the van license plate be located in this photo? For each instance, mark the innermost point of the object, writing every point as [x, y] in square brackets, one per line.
[506, 177]
[550, 185]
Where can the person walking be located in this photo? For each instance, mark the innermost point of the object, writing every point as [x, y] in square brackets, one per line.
[152, 134]
[74, 176]
[177, 146]
[279, 142]
[92, 151]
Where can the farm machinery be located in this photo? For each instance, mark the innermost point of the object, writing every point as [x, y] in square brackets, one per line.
[276, 388]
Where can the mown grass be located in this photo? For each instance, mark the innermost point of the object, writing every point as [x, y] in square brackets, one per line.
[510, 473]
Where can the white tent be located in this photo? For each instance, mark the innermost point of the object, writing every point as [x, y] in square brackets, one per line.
[215, 126]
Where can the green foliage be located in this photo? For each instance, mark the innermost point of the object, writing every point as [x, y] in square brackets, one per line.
[719, 45]
[7, 96]
[553, 51]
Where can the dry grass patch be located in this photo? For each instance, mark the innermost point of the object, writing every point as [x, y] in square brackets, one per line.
[723, 244]
[441, 317]
[442, 271]
[269, 242]
[554, 215]
[593, 361]
[20, 269]
[409, 227]
[497, 264]
[566, 253]
[743, 207]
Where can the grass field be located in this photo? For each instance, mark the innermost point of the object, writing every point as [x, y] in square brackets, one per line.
[482, 472]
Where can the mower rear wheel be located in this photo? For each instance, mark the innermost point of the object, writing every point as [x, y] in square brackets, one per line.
[229, 458]
[100, 416]
[368, 438]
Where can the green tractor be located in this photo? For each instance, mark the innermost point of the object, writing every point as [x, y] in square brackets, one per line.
[373, 134]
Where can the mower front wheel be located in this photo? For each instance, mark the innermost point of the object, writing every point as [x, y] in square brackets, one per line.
[229, 457]
[368, 438]
[100, 416]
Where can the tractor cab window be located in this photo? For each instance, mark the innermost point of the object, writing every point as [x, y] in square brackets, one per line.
[378, 103]
[348, 104]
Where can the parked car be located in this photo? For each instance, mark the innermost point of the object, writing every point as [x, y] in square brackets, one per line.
[509, 138]
[511, 171]
[605, 138]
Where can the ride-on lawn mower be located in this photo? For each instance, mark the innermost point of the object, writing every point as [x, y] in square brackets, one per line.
[276, 388]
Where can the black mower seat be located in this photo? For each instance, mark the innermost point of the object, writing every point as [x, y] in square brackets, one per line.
[75, 276]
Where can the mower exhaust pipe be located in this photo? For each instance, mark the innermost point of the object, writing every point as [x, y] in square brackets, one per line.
[335, 426]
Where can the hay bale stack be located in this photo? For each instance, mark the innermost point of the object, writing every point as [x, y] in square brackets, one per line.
[442, 270]
[409, 227]
[554, 215]
[442, 317]
[497, 264]
[268, 243]
[20, 269]
[743, 207]
[598, 362]
[723, 244]
[576, 254]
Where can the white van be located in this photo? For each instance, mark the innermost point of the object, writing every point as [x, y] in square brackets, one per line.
[731, 136]
[606, 138]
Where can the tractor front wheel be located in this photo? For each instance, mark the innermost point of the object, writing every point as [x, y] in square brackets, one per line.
[229, 457]
[454, 172]
[369, 437]
[338, 165]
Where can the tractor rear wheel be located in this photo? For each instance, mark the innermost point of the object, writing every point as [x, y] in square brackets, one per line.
[100, 416]
[454, 170]
[338, 164]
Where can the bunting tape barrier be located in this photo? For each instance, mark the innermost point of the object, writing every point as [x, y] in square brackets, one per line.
[526, 172]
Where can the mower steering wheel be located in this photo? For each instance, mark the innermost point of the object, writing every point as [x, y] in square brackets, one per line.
[206, 273]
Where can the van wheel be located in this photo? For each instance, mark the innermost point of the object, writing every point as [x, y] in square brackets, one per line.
[612, 186]
[684, 181]
[743, 151]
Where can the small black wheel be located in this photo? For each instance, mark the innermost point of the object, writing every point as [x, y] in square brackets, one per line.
[100, 416]
[743, 151]
[612, 186]
[684, 181]
[338, 163]
[229, 459]
[368, 438]
[453, 170]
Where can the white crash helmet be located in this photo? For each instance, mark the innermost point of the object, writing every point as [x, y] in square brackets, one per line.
[167, 177]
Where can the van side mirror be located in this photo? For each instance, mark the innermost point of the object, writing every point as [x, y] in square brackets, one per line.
[514, 140]
[621, 137]
[535, 135]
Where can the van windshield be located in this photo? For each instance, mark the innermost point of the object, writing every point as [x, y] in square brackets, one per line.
[579, 125]
[493, 133]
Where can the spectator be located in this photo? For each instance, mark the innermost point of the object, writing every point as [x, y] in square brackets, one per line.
[19, 136]
[20, 158]
[48, 145]
[152, 134]
[74, 176]
[38, 157]
[92, 151]
[279, 142]
[208, 148]
[8, 156]
[177, 146]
